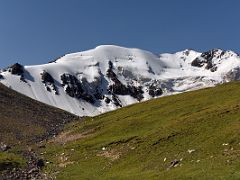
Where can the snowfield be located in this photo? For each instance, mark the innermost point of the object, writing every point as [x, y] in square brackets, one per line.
[108, 77]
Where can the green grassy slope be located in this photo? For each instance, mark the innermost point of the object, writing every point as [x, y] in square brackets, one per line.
[141, 141]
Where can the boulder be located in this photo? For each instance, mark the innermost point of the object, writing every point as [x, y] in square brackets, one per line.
[40, 163]
[107, 100]
[4, 147]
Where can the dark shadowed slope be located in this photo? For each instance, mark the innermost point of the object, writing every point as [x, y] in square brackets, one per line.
[24, 122]
[24, 119]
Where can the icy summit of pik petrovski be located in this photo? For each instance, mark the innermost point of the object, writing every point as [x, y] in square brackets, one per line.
[108, 77]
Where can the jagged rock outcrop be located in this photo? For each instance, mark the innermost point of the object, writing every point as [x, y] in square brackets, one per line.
[120, 89]
[206, 59]
[48, 81]
[155, 91]
[47, 78]
[136, 92]
[74, 88]
[16, 69]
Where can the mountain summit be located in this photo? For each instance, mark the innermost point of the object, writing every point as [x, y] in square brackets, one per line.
[108, 77]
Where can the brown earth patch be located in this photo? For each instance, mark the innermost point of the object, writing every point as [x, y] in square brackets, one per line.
[65, 137]
[110, 154]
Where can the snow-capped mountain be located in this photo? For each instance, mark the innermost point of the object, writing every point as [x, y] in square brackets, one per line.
[108, 77]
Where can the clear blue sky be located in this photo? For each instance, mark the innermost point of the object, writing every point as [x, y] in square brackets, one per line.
[36, 31]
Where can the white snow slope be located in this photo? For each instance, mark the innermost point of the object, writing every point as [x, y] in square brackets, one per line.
[109, 77]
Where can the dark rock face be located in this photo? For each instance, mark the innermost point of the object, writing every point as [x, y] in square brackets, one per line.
[47, 78]
[48, 81]
[136, 92]
[117, 87]
[16, 69]
[120, 89]
[209, 65]
[206, 59]
[209, 55]
[197, 62]
[74, 88]
[110, 74]
[155, 91]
